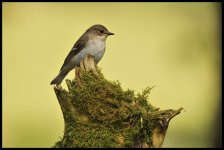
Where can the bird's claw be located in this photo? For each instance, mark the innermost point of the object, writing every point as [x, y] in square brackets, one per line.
[90, 54]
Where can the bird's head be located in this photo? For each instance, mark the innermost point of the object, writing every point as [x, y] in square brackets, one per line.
[99, 31]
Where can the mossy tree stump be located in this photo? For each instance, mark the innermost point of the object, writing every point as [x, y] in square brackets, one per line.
[99, 113]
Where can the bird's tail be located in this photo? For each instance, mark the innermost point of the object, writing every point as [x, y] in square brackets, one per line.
[58, 79]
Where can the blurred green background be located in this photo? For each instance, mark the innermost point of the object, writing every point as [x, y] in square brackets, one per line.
[173, 46]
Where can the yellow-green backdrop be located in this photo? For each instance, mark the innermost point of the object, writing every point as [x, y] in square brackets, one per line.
[173, 46]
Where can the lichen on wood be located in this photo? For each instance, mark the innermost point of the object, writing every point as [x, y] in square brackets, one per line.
[99, 113]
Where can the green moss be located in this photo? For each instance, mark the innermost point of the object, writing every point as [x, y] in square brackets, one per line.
[111, 111]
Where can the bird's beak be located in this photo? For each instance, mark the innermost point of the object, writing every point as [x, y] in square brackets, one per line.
[109, 33]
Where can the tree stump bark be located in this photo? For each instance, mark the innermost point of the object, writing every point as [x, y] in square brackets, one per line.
[99, 113]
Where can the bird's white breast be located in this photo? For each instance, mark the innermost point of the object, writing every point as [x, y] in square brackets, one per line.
[95, 47]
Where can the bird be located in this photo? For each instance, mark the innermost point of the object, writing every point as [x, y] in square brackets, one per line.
[93, 42]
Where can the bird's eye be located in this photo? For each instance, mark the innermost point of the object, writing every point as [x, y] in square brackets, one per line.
[101, 31]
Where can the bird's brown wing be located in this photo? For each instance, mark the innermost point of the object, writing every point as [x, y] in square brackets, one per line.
[78, 46]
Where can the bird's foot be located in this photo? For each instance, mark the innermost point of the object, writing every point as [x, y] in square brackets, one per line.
[90, 54]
